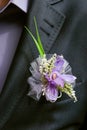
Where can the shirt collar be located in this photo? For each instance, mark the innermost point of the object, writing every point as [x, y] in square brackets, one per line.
[22, 4]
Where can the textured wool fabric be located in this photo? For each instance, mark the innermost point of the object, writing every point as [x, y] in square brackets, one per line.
[63, 28]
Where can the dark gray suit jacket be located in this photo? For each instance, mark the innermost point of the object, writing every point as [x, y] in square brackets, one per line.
[63, 28]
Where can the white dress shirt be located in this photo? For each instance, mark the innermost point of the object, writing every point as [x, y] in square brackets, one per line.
[10, 33]
[22, 4]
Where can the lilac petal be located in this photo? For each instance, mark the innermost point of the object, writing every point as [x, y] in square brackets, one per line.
[59, 81]
[68, 78]
[47, 77]
[51, 93]
[59, 64]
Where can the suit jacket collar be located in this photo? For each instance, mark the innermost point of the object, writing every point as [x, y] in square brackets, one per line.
[50, 22]
[54, 1]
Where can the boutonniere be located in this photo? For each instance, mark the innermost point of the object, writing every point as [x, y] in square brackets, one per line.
[51, 74]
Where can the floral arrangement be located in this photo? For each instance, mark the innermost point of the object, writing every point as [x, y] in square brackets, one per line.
[51, 74]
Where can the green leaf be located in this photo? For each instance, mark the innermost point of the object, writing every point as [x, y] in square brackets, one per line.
[38, 36]
[35, 41]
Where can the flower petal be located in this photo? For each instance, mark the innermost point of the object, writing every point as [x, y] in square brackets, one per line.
[68, 78]
[59, 64]
[59, 81]
[51, 93]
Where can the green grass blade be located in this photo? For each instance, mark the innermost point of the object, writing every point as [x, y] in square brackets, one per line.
[35, 41]
[38, 36]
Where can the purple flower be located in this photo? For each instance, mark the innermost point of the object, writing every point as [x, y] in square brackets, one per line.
[59, 63]
[51, 92]
[56, 79]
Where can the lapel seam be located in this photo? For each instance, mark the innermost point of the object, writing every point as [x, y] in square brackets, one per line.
[61, 18]
[54, 1]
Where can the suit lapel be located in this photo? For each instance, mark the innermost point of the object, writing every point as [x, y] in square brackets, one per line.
[16, 84]
[54, 1]
[51, 25]
[50, 22]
